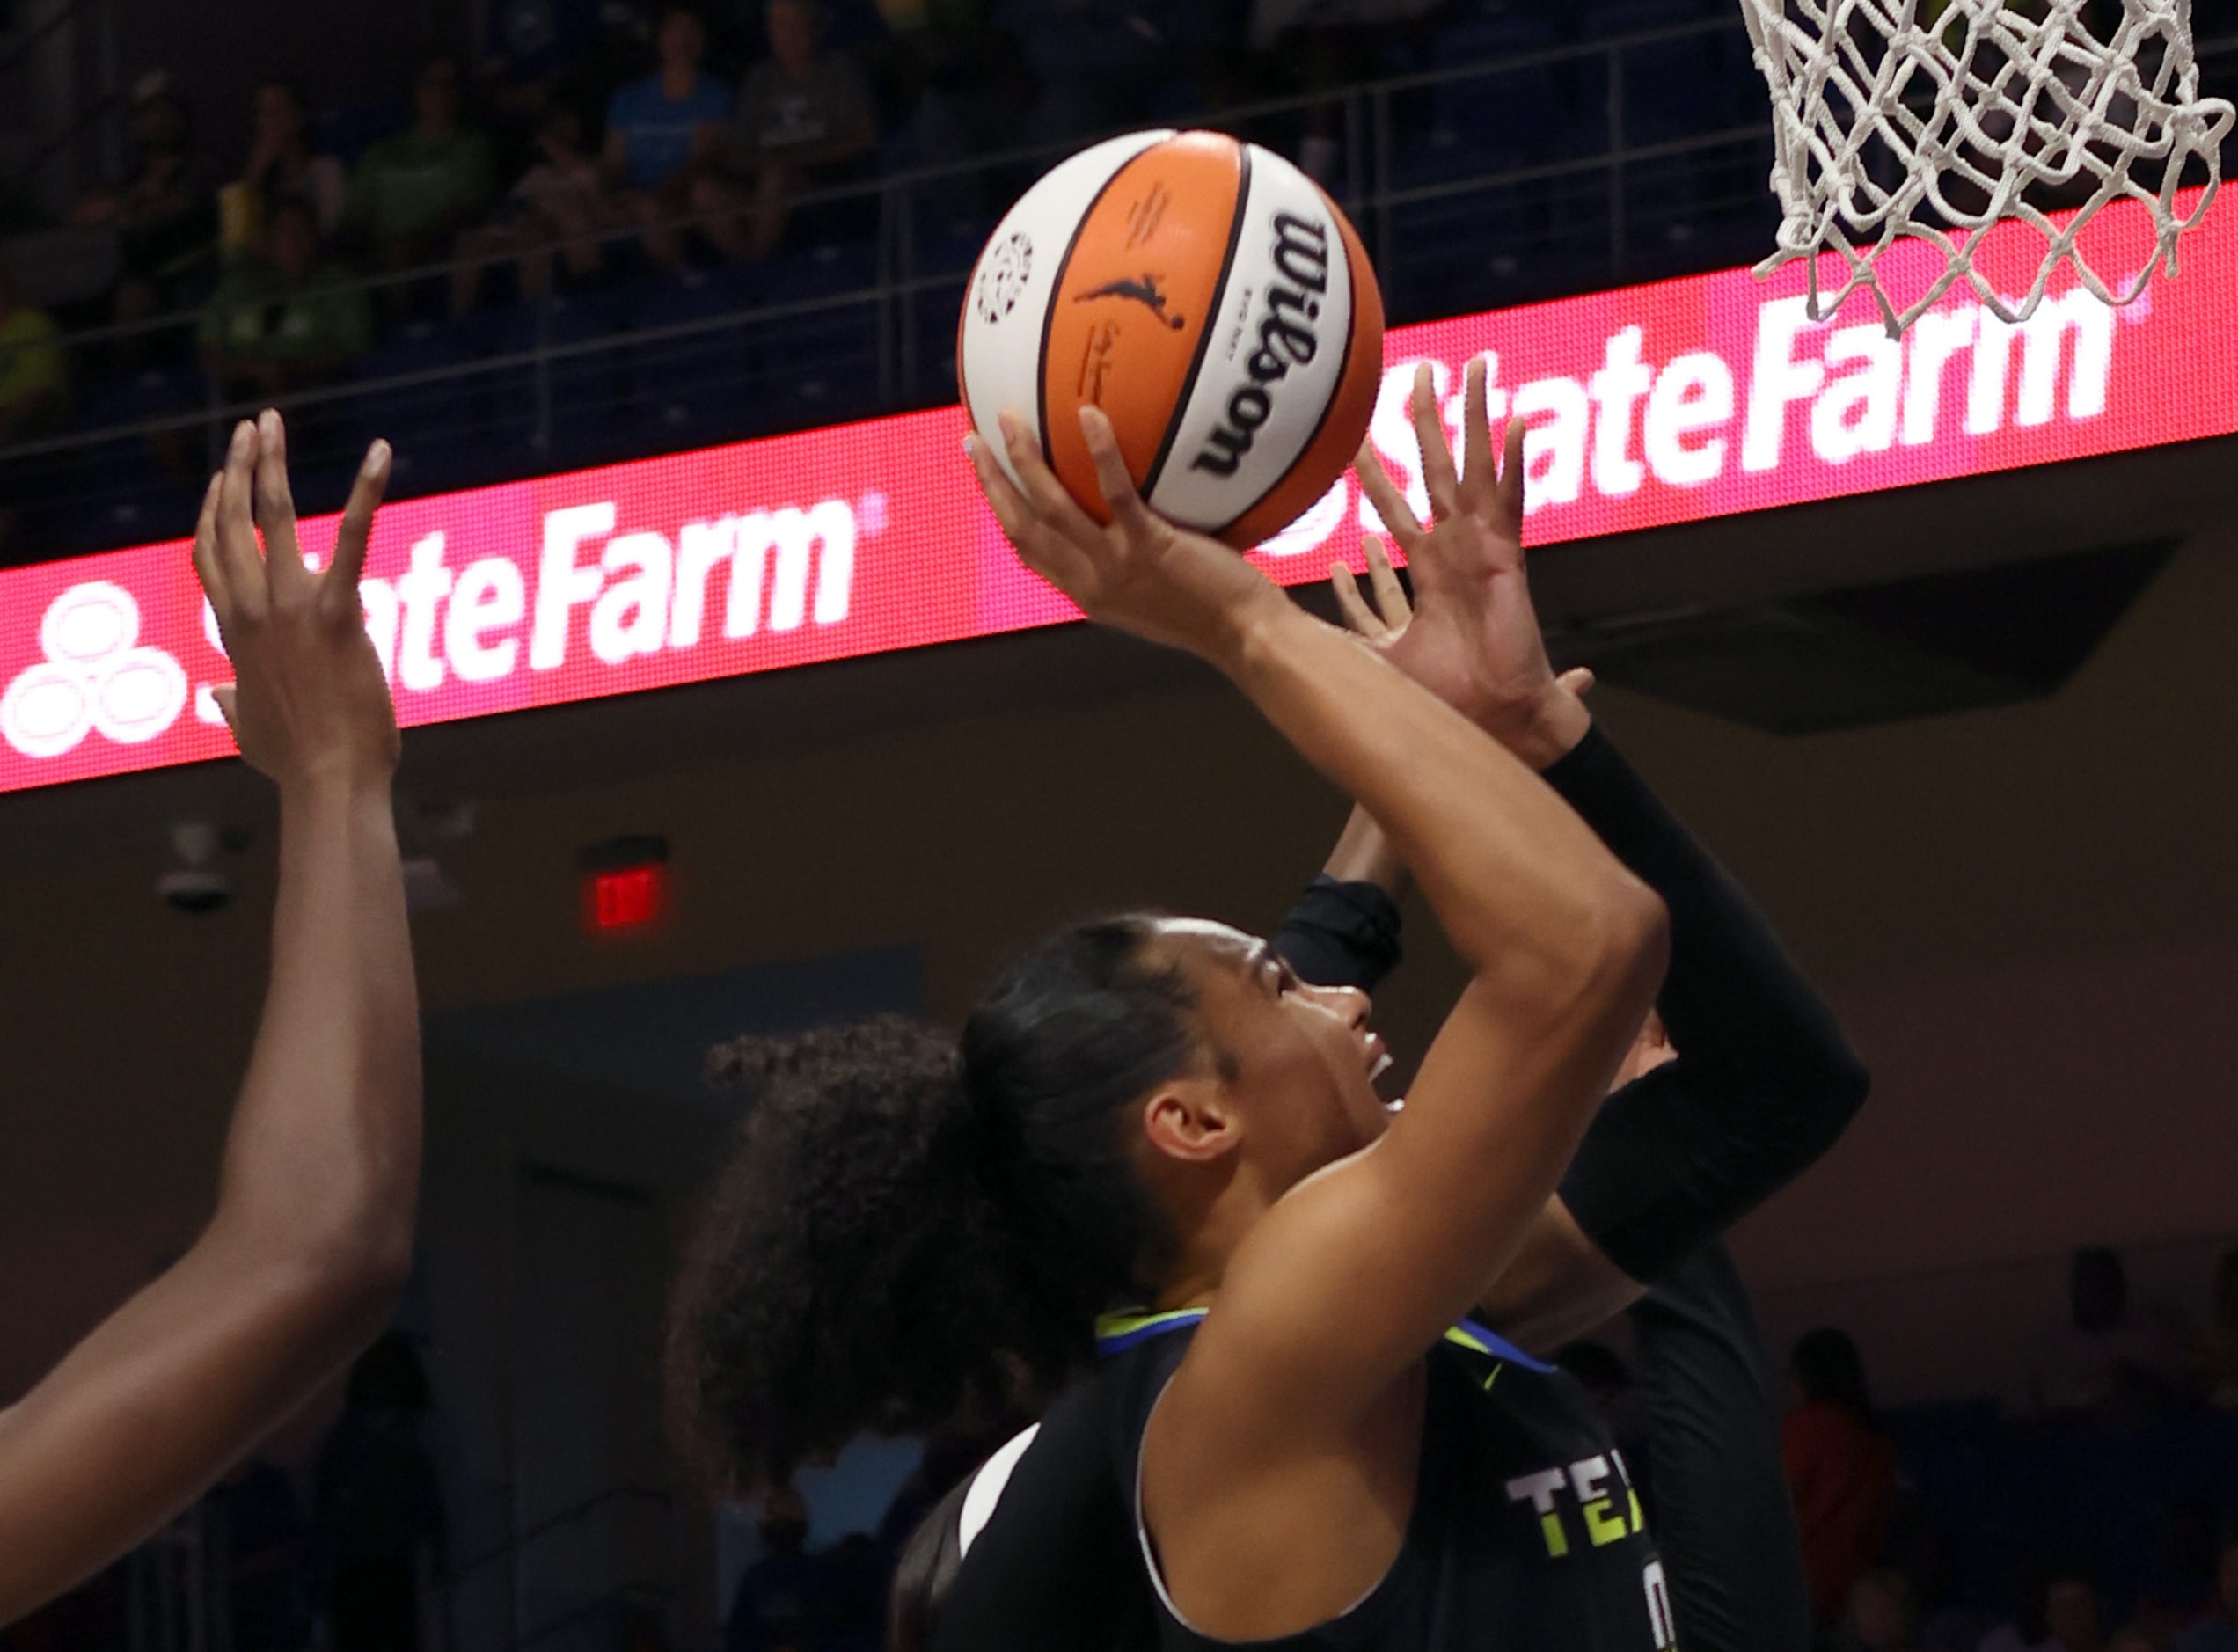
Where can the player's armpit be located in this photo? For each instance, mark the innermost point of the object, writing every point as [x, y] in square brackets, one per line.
[1559, 1287]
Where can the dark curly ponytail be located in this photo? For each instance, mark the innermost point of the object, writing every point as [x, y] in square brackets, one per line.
[907, 1217]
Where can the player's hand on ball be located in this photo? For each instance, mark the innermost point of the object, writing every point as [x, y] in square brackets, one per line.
[1473, 637]
[309, 702]
[1142, 574]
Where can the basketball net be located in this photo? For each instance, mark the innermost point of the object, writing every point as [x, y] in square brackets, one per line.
[1937, 119]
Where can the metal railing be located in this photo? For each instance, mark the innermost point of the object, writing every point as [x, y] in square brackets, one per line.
[1641, 154]
[519, 1552]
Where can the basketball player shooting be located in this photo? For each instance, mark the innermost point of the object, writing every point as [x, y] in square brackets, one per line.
[1152, 1110]
[1741, 1081]
[311, 1237]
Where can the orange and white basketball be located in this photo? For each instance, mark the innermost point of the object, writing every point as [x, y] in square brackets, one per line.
[1210, 299]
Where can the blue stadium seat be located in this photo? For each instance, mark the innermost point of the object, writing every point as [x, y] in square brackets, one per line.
[121, 492]
[585, 387]
[148, 393]
[428, 423]
[687, 391]
[1496, 119]
[948, 249]
[951, 246]
[131, 488]
[1672, 89]
[820, 365]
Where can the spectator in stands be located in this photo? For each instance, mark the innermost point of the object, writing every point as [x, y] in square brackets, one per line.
[2070, 1611]
[282, 166]
[1882, 1615]
[661, 133]
[2028, 1627]
[535, 53]
[782, 1600]
[804, 122]
[285, 317]
[2217, 1354]
[2136, 1638]
[856, 1618]
[953, 83]
[2108, 1359]
[1841, 1467]
[414, 190]
[1095, 63]
[2218, 1631]
[380, 1514]
[34, 371]
[162, 212]
[559, 205]
[258, 1525]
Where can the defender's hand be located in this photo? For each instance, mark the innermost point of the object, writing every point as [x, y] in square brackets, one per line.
[1142, 574]
[1473, 636]
[308, 701]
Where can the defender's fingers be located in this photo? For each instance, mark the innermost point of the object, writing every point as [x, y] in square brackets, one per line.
[206, 569]
[1508, 499]
[1353, 606]
[1477, 473]
[236, 541]
[224, 694]
[1132, 518]
[276, 507]
[356, 534]
[1390, 504]
[1390, 595]
[1579, 680]
[1436, 454]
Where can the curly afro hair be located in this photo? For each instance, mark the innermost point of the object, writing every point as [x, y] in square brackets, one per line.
[908, 1218]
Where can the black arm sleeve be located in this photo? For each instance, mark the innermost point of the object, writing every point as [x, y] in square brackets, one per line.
[1341, 934]
[1723, 1519]
[1764, 1081]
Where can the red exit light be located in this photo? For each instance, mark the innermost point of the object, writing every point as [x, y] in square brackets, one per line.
[626, 883]
[628, 900]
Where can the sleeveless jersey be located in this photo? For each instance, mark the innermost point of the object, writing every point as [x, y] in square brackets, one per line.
[1526, 1531]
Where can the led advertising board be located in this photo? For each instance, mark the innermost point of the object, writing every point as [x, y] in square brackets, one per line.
[1648, 406]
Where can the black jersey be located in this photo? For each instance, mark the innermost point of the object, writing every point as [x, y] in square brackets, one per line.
[1525, 1530]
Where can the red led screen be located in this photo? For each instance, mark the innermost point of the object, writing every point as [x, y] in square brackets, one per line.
[1648, 405]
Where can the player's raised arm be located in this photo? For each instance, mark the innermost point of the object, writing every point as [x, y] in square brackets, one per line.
[1745, 1079]
[312, 1233]
[1356, 1271]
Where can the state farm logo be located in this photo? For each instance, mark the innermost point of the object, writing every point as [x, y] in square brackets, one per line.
[97, 677]
[451, 619]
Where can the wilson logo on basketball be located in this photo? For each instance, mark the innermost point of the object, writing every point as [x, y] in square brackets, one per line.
[1287, 339]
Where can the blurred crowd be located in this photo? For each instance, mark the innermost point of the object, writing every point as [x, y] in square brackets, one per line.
[586, 144]
[2093, 1510]
[593, 140]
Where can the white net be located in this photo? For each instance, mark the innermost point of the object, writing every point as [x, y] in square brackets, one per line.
[1937, 119]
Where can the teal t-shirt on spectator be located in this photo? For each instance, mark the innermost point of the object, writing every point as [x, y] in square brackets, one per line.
[657, 131]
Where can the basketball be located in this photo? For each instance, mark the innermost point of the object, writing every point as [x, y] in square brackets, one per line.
[1210, 299]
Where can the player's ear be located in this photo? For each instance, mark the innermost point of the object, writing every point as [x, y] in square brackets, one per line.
[1191, 1121]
